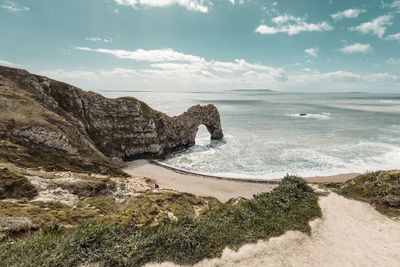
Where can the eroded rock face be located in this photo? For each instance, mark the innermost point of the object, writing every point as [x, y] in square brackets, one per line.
[42, 118]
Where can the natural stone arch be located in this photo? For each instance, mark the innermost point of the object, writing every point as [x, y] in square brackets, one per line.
[188, 124]
[89, 126]
[209, 117]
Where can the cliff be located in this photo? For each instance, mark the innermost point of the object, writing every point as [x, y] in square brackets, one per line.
[53, 125]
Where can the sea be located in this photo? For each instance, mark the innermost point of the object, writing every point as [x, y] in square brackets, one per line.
[270, 134]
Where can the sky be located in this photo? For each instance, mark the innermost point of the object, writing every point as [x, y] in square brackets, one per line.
[302, 46]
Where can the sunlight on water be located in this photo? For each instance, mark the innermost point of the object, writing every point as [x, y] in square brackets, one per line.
[268, 135]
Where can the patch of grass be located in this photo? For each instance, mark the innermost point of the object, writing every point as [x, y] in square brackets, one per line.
[393, 213]
[290, 206]
[146, 208]
[149, 208]
[51, 161]
[47, 213]
[14, 185]
[381, 189]
[89, 187]
[104, 204]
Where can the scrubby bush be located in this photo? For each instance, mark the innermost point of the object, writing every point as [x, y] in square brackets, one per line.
[186, 241]
[381, 188]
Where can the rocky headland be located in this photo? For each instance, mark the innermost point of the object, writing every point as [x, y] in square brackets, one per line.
[62, 149]
[56, 126]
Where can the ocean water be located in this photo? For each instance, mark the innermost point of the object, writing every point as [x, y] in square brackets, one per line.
[265, 137]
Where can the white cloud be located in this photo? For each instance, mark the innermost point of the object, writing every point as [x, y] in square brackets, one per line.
[292, 25]
[192, 5]
[175, 62]
[238, 2]
[311, 52]
[395, 4]
[377, 26]
[393, 61]
[356, 48]
[393, 37]
[167, 69]
[348, 13]
[285, 18]
[157, 55]
[70, 75]
[341, 78]
[170, 68]
[97, 39]
[174, 76]
[13, 7]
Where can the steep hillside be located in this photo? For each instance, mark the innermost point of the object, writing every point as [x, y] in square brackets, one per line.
[49, 124]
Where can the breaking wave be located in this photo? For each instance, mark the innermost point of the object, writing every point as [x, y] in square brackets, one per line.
[322, 116]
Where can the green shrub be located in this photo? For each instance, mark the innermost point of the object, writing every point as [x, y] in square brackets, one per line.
[381, 188]
[186, 241]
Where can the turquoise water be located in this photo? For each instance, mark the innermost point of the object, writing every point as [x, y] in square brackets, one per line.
[265, 137]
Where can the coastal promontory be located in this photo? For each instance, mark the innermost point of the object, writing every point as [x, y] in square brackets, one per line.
[54, 125]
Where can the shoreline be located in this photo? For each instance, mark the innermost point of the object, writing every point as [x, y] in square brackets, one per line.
[222, 188]
[337, 178]
[206, 176]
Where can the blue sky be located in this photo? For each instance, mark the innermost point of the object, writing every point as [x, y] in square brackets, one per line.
[308, 45]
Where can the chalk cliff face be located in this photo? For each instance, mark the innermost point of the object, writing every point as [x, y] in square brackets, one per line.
[51, 124]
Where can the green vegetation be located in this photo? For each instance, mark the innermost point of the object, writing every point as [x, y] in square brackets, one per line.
[146, 208]
[91, 199]
[19, 110]
[46, 213]
[188, 240]
[381, 189]
[13, 185]
[22, 157]
[89, 187]
[149, 208]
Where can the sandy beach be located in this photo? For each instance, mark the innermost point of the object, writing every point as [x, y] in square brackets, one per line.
[219, 187]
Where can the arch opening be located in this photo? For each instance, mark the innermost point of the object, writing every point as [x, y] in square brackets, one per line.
[203, 135]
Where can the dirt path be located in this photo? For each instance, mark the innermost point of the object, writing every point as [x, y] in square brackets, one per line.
[351, 233]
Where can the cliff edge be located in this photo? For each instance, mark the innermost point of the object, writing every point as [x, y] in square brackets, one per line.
[53, 125]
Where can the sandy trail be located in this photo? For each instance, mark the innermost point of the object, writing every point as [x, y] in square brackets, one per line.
[351, 233]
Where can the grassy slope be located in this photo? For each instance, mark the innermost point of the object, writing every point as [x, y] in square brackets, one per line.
[186, 241]
[95, 202]
[19, 109]
[381, 189]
